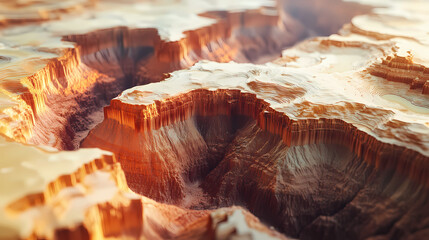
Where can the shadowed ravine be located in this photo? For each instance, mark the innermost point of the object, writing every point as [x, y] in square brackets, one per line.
[106, 62]
[199, 151]
[214, 120]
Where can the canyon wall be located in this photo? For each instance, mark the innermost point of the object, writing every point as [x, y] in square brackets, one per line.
[282, 140]
[328, 141]
[84, 194]
[240, 151]
[105, 62]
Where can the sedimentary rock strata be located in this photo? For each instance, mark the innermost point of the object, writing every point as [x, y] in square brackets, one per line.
[64, 96]
[242, 143]
[84, 195]
[402, 69]
[328, 141]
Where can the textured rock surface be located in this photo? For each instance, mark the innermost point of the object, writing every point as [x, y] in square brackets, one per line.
[276, 136]
[329, 141]
[58, 75]
[84, 195]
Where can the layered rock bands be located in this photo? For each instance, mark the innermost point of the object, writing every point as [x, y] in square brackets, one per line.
[328, 141]
[238, 150]
[65, 97]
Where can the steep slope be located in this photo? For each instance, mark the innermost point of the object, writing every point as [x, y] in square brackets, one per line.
[84, 195]
[301, 143]
[107, 58]
[330, 141]
[58, 75]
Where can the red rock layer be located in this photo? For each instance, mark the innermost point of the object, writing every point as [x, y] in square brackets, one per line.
[222, 41]
[64, 181]
[46, 100]
[402, 69]
[119, 219]
[127, 215]
[61, 99]
[144, 119]
[108, 61]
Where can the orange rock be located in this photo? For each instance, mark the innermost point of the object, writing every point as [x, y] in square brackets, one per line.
[325, 142]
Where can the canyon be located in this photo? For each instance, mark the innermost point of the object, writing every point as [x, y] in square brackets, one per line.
[214, 119]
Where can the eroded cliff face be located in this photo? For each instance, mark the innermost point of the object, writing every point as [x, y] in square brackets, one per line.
[214, 147]
[302, 143]
[65, 97]
[84, 195]
[330, 141]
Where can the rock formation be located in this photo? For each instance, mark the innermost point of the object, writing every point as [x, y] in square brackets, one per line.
[329, 141]
[249, 135]
[402, 69]
[64, 96]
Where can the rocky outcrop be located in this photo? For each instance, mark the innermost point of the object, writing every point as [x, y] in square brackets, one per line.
[402, 69]
[237, 148]
[146, 118]
[325, 142]
[105, 62]
[84, 194]
[130, 53]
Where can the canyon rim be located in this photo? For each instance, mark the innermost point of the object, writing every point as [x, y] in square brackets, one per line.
[214, 119]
